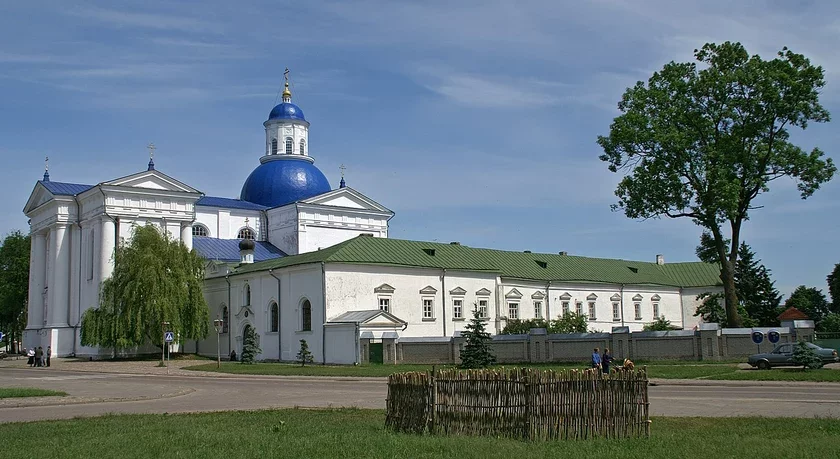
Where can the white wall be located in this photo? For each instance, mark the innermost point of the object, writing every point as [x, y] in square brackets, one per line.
[225, 223]
[342, 344]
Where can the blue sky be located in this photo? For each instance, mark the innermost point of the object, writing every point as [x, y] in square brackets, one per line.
[474, 123]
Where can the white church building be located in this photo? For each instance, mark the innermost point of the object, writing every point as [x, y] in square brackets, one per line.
[295, 259]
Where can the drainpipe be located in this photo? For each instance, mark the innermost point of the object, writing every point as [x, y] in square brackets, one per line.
[682, 309]
[76, 336]
[547, 301]
[498, 295]
[324, 321]
[443, 297]
[622, 304]
[358, 346]
[279, 318]
[230, 313]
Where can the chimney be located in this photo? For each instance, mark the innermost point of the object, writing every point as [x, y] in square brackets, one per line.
[563, 253]
[660, 259]
[246, 251]
[455, 243]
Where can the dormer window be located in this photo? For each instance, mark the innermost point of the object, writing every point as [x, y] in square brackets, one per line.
[199, 230]
[273, 146]
[302, 146]
[289, 145]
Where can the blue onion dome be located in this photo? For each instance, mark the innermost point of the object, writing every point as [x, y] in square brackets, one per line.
[286, 111]
[283, 181]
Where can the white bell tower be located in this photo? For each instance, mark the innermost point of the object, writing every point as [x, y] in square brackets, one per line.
[286, 130]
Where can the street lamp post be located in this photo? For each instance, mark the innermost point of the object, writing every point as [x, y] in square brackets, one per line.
[217, 324]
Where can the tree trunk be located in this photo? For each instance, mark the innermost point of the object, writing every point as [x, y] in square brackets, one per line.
[727, 274]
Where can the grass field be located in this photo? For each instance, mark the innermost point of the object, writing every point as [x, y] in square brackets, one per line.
[669, 370]
[360, 433]
[9, 392]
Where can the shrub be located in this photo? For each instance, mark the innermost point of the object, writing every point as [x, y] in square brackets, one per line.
[250, 349]
[660, 324]
[807, 357]
[476, 352]
[303, 355]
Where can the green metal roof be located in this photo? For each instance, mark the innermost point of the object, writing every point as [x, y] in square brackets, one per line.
[520, 265]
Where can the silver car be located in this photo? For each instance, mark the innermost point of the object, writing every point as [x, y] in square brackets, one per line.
[782, 356]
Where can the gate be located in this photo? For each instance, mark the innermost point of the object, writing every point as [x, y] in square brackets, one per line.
[375, 353]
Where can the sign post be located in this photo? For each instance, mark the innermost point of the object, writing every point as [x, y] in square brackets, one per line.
[757, 338]
[168, 338]
[165, 325]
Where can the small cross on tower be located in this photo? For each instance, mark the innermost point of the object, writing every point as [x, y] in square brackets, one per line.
[46, 169]
[343, 183]
[151, 148]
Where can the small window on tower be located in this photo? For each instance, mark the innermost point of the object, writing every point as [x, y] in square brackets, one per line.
[288, 145]
[273, 146]
[302, 146]
[245, 233]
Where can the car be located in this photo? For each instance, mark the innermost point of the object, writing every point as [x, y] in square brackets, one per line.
[782, 356]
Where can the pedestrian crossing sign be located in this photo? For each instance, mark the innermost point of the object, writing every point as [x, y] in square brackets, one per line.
[169, 336]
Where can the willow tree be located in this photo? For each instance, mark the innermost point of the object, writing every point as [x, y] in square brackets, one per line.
[703, 141]
[156, 279]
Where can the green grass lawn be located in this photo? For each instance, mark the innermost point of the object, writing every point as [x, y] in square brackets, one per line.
[669, 370]
[9, 392]
[360, 433]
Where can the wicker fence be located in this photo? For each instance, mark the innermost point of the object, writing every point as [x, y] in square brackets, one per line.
[520, 403]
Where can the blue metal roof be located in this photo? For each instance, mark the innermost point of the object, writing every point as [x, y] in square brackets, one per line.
[286, 111]
[65, 189]
[228, 249]
[283, 181]
[228, 203]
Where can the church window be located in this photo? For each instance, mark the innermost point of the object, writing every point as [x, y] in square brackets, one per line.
[199, 230]
[302, 146]
[638, 308]
[306, 315]
[482, 309]
[385, 304]
[428, 308]
[538, 309]
[247, 294]
[513, 310]
[275, 317]
[579, 307]
[273, 146]
[245, 233]
[592, 310]
[225, 319]
[565, 307]
[655, 310]
[616, 311]
[458, 309]
[289, 145]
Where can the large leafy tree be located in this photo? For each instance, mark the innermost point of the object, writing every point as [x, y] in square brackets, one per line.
[809, 300]
[703, 140]
[833, 280]
[155, 280]
[14, 285]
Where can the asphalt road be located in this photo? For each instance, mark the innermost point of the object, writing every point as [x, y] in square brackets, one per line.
[93, 394]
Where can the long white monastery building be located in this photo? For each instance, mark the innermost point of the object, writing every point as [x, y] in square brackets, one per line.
[295, 259]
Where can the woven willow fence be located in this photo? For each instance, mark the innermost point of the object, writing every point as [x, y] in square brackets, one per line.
[521, 403]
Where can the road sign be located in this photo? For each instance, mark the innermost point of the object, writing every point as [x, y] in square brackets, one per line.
[169, 336]
[757, 337]
[773, 336]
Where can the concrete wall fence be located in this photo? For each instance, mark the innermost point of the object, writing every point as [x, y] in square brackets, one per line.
[709, 342]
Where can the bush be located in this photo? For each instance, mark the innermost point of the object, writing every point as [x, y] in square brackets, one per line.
[303, 355]
[660, 324]
[567, 323]
[250, 349]
[807, 357]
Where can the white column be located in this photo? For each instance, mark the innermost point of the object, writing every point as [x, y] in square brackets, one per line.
[60, 289]
[107, 242]
[37, 280]
[186, 235]
[76, 272]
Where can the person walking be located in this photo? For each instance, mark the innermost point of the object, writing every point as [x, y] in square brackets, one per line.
[596, 359]
[605, 361]
[49, 354]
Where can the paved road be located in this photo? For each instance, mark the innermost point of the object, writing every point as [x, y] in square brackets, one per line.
[191, 394]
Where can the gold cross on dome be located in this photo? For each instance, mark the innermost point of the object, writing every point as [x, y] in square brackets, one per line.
[246, 222]
[343, 168]
[47, 163]
[151, 148]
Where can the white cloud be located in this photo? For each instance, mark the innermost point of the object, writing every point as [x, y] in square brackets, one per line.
[125, 19]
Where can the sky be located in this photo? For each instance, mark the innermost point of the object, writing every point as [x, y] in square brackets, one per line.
[474, 121]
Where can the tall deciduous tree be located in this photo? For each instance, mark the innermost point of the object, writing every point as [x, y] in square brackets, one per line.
[809, 300]
[703, 142]
[155, 280]
[14, 285]
[833, 280]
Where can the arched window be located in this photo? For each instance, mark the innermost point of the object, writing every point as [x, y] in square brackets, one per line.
[245, 233]
[306, 315]
[289, 145]
[302, 145]
[247, 294]
[275, 317]
[273, 146]
[226, 319]
[199, 230]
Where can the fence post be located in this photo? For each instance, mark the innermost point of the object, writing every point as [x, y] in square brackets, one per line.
[528, 401]
[432, 400]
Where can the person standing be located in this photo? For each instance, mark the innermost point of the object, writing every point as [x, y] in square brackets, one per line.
[49, 354]
[596, 359]
[39, 354]
[31, 354]
[605, 361]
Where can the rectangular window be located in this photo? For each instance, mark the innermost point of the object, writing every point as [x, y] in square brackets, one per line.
[457, 309]
[592, 310]
[482, 309]
[638, 308]
[538, 309]
[513, 310]
[428, 308]
[565, 308]
[385, 304]
[655, 310]
[578, 307]
[616, 312]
